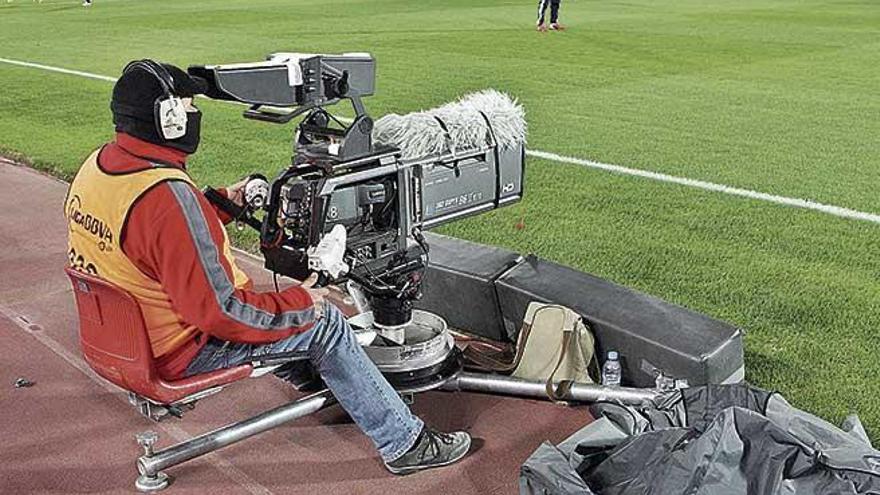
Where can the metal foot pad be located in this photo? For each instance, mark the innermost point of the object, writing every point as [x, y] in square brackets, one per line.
[154, 483]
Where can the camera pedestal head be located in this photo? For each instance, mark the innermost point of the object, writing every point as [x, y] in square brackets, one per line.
[424, 359]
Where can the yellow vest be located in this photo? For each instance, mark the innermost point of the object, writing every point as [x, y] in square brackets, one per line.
[96, 209]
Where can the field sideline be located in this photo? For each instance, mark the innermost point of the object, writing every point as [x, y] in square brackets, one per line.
[771, 96]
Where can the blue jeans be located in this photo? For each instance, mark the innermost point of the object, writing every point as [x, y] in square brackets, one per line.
[344, 366]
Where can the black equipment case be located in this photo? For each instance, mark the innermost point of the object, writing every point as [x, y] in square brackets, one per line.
[485, 290]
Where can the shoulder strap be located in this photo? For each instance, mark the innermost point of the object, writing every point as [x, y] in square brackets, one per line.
[557, 393]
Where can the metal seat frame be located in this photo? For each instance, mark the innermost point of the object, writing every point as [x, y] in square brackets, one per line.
[124, 357]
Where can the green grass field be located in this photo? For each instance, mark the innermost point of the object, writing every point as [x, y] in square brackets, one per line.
[776, 96]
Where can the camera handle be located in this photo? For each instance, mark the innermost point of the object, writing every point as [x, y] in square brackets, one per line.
[243, 214]
[238, 213]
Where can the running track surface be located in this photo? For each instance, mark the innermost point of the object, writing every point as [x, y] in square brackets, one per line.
[73, 433]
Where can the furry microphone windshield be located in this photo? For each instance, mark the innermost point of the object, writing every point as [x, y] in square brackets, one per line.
[455, 126]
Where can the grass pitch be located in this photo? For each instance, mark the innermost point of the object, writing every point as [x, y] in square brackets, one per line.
[771, 95]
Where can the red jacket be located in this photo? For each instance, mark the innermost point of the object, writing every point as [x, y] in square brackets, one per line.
[158, 241]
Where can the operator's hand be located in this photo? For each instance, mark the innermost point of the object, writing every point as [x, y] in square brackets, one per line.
[235, 192]
[317, 295]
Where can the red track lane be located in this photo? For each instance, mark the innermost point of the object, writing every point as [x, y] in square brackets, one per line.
[72, 432]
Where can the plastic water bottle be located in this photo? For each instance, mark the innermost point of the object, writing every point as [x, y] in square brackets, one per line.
[611, 370]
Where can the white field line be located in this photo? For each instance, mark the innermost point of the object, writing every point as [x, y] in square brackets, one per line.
[837, 211]
[57, 69]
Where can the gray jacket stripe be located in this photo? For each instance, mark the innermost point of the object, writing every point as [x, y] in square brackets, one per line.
[209, 255]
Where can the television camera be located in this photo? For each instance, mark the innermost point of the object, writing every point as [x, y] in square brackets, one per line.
[354, 200]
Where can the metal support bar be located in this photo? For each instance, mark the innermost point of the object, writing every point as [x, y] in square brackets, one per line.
[580, 392]
[151, 464]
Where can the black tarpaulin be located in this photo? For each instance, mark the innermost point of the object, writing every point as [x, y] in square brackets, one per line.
[717, 439]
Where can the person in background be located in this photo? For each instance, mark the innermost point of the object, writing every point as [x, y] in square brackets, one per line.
[554, 15]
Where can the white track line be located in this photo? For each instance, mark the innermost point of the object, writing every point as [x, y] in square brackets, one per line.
[837, 211]
[224, 466]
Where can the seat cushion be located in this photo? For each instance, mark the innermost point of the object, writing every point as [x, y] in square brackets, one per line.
[167, 392]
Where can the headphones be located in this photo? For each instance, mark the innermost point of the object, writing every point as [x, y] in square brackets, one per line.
[169, 112]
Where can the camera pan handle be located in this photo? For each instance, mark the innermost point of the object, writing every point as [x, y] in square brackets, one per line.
[226, 205]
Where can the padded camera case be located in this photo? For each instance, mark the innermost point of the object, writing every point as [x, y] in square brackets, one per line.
[485, 290]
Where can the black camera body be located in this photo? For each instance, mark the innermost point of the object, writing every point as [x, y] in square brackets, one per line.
[339, 177]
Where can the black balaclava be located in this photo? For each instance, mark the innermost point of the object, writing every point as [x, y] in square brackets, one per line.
[134, 97]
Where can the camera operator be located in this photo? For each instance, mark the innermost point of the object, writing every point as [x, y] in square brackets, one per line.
[137, 220]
